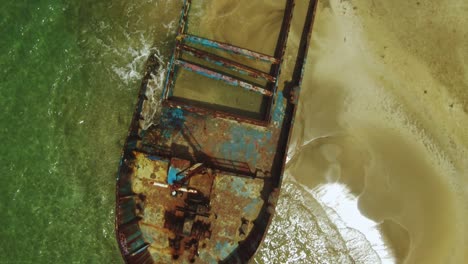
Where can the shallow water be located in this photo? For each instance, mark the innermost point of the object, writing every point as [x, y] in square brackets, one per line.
[380, 127]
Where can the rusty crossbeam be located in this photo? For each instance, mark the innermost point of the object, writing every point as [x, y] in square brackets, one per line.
[214, 113]
[228, 48]
[221, 77]
[220, 61]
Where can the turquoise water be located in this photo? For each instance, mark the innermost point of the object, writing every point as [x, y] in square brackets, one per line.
[70, 72]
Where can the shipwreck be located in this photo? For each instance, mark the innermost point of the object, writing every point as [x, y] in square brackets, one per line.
[201, 185]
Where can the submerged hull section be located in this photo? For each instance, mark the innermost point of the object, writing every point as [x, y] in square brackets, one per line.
[201, 185]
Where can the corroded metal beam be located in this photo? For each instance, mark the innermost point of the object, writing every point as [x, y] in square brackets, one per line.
[214, 113]
[220, 61]
[175, 54]
[184, 17]
[280, 51]
[228, 48]
[221, 77]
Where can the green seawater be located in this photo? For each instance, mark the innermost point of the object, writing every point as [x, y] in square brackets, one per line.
[69, 75]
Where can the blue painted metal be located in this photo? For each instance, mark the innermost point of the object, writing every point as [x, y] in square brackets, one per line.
[228, 48]
[172, 175]
[278, 110]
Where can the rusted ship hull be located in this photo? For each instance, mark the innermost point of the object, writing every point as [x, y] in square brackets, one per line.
[201, 185]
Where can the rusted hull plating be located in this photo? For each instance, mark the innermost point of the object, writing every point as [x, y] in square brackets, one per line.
[201, 186]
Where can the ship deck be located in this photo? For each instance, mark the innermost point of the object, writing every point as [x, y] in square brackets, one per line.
[222, 144]
[234, 204]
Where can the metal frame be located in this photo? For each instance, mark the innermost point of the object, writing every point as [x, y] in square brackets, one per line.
[232, 65]
[181, 46]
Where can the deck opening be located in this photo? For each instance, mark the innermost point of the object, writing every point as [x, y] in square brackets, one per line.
[215, 77]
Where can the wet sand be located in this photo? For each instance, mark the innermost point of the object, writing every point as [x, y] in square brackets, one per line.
[384, 111]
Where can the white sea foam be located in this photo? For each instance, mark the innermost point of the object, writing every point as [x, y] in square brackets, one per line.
[154, 88]
[131, 72]
[342, 208]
